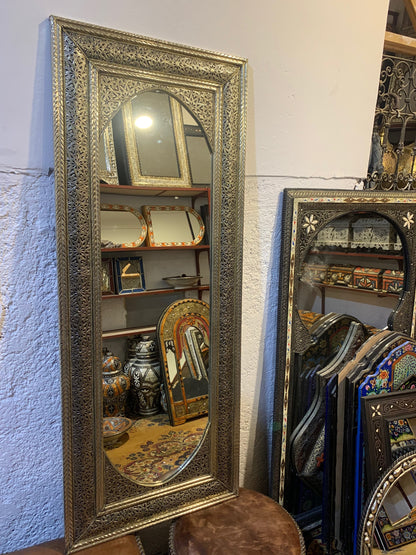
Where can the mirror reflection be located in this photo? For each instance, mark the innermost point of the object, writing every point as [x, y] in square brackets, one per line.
[350, 282]
[354, 266]
[155, 335]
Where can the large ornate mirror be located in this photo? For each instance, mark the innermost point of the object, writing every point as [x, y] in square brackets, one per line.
[347, 289]
[149, 137]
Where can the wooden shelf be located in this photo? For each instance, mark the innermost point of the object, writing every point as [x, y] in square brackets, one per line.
[356, 289]
[144, 248]
[360, 254]
[192, 193]
[127, 332]
[158, 292]
[155, 191]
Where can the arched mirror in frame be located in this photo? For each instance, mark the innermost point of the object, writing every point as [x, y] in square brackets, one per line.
[347, 272]
[101, 78]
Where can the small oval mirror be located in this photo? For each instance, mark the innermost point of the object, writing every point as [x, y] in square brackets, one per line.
[173, 226]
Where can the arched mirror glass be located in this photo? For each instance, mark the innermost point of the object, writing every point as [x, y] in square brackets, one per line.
[156, 400]
[354, 265]
[346, 308]
[149, 150]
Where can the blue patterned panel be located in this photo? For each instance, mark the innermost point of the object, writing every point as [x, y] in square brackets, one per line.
[395, 369]
[392, 372]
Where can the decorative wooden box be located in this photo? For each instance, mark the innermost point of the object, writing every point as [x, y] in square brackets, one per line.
[367, 278]
[392, 281]
[314, 273]
[340, 275]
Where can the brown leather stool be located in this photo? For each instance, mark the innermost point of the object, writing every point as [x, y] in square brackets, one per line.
[249, 524]
[127, 545]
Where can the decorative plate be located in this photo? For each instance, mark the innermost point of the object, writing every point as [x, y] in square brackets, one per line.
[179, 282]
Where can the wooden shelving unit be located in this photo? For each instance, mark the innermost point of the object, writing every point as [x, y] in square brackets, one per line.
[192, 193]
[164, 291]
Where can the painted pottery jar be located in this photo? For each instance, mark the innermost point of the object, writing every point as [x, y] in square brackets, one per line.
[143, 370]
[115, 385]
[132, 343]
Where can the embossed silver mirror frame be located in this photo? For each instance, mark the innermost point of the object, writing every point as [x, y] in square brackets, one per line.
[94, 71]
[305, 213]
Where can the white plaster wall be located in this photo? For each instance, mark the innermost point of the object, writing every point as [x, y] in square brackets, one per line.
[313, 70]
[30, 401]
[262, 234]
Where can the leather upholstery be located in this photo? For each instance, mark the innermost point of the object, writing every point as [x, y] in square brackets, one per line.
[249, 524]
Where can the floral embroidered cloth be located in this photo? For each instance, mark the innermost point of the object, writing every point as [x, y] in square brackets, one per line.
[153, 449]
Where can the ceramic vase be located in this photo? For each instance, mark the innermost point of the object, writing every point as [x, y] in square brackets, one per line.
[143, 369]
[115, 385]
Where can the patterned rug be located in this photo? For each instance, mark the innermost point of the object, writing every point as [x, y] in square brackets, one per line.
[152, 450]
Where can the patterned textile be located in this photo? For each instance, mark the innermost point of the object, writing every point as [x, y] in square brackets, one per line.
[153, 450]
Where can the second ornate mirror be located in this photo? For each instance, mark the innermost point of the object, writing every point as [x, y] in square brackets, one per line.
[144, 123]
[347, 289]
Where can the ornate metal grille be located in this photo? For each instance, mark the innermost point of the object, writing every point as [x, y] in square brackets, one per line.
[392, 164]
